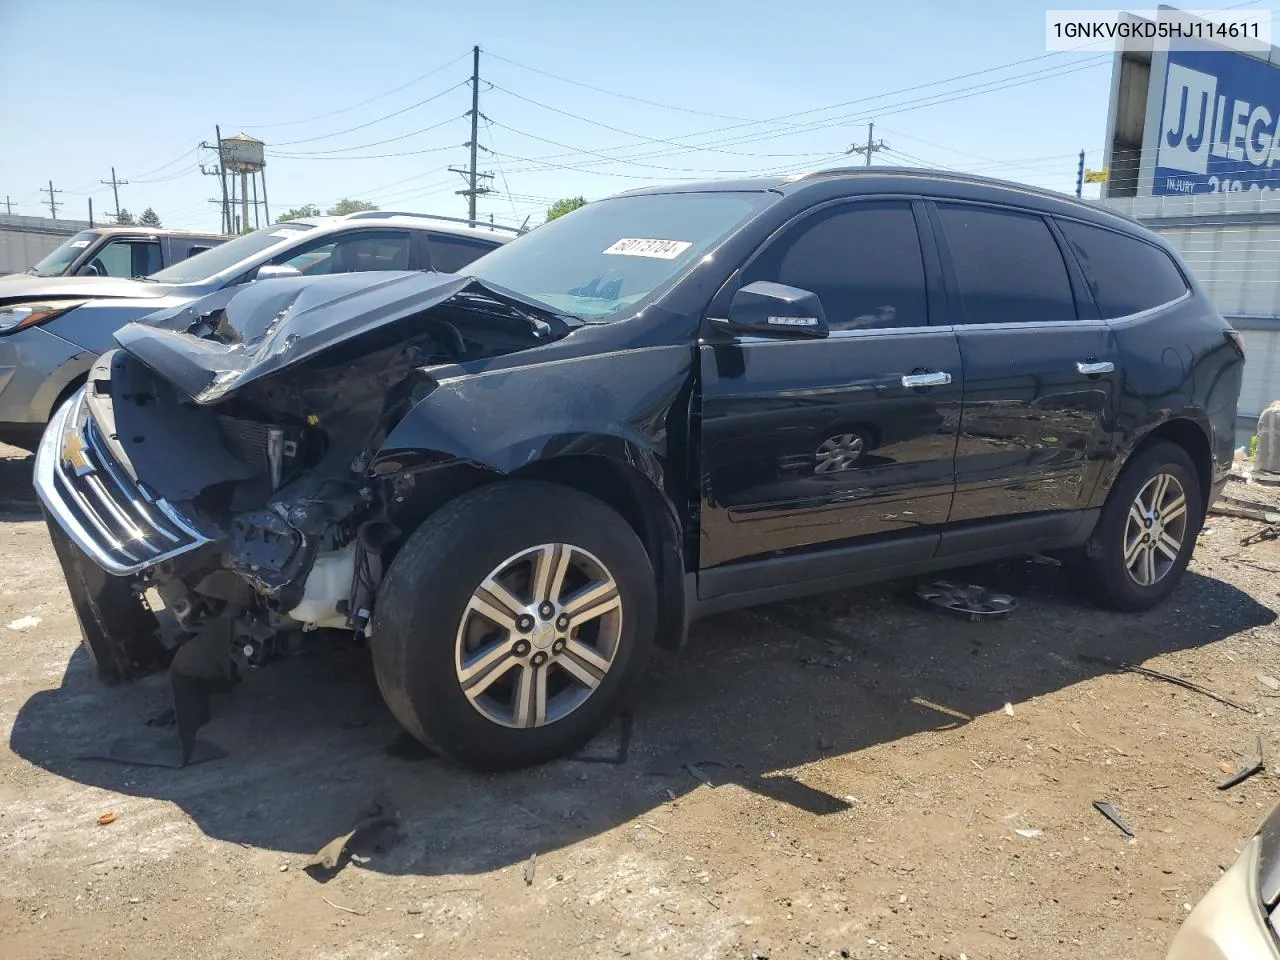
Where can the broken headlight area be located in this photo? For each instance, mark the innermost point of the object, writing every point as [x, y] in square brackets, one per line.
[258, 445]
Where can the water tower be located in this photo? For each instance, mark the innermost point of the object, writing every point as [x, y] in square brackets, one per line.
[243, 154]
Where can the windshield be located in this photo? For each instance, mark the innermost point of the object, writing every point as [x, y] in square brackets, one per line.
[600, 261]
[205, 265]
[56, 263]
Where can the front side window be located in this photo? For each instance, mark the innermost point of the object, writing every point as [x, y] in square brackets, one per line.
[862, 259]
[354, 253]
[605, 260]
[1008, 266]
[204, 266]
[127, 258]
[1126, 275]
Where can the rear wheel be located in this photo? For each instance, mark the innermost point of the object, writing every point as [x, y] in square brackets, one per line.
[513, 624]
[1147, 531]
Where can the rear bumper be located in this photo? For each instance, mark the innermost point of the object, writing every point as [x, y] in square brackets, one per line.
[109, 516]
[1228, 924]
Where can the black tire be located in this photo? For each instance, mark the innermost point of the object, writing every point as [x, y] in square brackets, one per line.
[1102, 575]
[423, 598]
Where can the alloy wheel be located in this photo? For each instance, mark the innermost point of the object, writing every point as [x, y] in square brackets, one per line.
[838, 453]
[538, 635]
[1155, 529]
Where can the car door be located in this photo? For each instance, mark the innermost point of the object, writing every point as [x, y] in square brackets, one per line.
[1039, 371]
[806, 443]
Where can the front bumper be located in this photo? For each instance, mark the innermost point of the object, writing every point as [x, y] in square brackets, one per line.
[105, 512]
[1229, 923]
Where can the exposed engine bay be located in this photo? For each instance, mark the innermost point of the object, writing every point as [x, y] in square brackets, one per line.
[247, 419]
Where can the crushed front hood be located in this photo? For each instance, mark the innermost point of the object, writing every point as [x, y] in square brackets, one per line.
[254, 331]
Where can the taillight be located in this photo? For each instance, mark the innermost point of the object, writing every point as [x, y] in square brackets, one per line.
[1236, 339]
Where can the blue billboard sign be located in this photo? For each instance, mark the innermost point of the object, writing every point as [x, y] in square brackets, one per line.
[1220, 124]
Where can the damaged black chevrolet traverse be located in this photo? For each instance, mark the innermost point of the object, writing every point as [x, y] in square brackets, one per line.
[512, 484]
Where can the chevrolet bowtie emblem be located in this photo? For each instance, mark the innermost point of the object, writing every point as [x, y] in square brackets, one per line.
[74, 454]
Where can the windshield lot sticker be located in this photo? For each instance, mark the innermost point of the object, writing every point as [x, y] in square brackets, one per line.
[79, 243]
[657, 249]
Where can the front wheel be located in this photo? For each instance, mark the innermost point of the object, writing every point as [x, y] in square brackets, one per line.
[513, 624]
[1147, 531]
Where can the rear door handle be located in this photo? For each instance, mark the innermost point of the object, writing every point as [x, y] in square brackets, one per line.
[1091, 368]
[912, 380]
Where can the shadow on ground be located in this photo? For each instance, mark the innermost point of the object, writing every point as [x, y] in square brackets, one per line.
[310, 742]
[17, 496]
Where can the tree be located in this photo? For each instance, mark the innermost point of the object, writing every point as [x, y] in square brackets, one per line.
[345, 206]
[299, 213]
[561, 207]
[149, 218]
[124, 217]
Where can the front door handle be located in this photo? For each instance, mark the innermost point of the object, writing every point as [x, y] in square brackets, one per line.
[1091, 368]
[912, 380]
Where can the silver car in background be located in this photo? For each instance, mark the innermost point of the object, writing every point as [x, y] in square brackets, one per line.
[52, 329]
[1239, 918]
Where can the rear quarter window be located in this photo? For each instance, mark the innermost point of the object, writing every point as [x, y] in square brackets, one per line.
[1126, 275]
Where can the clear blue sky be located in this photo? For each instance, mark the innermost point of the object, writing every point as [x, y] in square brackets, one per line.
[137, 84]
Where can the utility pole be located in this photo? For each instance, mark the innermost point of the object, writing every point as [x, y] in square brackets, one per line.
[54, 204]
[8, 205]
[473, 189]
[1080, 176]
[221, 173]
[115, 189]
[871, 147]
[91, 212]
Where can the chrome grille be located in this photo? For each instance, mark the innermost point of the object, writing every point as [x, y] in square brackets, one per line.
[109, 516]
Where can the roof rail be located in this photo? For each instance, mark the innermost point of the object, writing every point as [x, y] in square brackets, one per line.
[383, 214]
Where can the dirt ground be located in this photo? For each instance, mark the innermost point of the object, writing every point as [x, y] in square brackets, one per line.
[871, 763]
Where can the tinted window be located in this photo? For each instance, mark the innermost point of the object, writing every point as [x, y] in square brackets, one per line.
[202, 266]
[1008, 266]
[1125, 274]
[862, 260]
[449, 255]
[353, 253]
[127, 258]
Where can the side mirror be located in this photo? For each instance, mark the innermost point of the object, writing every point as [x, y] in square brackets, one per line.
[775, 310]
[273, 271]
[88, 270]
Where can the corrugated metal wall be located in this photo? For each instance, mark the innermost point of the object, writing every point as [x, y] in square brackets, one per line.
[24, 240]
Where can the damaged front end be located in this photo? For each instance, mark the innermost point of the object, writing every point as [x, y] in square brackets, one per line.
[221, 458]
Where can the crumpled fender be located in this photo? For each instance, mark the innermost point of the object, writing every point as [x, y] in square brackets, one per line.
[612, 404]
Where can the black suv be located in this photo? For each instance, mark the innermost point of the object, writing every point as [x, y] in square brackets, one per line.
[673, 402]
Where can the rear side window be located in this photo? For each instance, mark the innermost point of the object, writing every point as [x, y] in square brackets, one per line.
[449, 255]
[1008, 266]
[862, 260]
[1126, 275]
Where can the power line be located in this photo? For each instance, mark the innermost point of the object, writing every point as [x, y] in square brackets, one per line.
[334, 113]
[614, 93]
[872, 146]
[375, 143]
[628, 133]
[361, 126]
